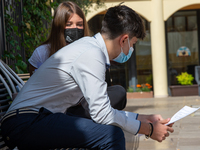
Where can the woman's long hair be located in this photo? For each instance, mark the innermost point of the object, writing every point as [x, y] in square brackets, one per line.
[62, 14]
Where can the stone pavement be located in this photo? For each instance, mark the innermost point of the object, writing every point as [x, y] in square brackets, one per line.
[186, 134]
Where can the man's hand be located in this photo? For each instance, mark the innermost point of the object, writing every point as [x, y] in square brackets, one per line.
[149, 118]
[161, 131]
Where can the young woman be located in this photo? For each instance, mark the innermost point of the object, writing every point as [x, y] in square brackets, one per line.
[69, 24]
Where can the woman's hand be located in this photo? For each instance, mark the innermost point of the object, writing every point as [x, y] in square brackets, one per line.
[31, 69]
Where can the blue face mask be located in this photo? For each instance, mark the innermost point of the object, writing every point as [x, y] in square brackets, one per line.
[121, 58]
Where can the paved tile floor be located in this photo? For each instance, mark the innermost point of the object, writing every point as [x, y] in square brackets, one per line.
[186, 134]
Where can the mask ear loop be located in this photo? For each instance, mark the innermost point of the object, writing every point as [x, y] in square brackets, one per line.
[129, 44]
[122, 50]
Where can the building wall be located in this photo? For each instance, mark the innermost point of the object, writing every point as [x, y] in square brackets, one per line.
[144, 7]
[156, 12]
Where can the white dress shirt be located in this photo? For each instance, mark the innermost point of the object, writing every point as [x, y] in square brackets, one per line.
[75, 71]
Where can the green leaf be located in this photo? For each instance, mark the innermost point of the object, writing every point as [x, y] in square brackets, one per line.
[12, 56]
[18, 47]
[21, 65]
[18, 57]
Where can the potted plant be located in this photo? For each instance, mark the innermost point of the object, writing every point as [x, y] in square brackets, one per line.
[186, 87]
[141, 91]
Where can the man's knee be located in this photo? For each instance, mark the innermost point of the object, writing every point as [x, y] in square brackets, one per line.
[115, 139]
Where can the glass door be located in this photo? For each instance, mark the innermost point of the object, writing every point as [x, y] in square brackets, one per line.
[182, 44]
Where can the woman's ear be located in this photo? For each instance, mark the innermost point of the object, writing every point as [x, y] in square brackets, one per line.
[122, 40]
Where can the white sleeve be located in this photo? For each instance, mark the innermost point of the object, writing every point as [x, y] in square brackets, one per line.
[39, 56]
[90, 76]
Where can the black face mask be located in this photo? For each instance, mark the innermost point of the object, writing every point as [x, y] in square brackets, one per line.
[73, 34]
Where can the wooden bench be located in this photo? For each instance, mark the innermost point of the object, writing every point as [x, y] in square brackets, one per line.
[24, 76]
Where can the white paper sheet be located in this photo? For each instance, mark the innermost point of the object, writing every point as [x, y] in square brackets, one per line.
[185, 111]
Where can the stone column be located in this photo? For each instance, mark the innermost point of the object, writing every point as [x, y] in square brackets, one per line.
[158, 50]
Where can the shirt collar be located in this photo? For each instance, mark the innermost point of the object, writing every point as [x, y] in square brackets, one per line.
[103, 47]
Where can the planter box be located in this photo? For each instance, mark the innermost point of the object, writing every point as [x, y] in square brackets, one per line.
[132, 95]
[184, 90]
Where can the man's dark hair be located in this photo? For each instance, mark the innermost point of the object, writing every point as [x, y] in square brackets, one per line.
[120, 20]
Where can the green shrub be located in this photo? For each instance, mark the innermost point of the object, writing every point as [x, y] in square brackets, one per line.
[185, 79]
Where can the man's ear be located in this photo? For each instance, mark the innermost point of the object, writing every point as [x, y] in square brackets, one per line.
[123, 38]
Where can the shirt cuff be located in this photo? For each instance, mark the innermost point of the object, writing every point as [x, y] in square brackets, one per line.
[137, 116]
[31, 62]
[132, 125]
[138, 128]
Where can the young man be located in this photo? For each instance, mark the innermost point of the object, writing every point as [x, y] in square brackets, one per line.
[36, 119]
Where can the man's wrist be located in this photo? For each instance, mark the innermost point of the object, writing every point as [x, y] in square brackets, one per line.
[150, 131]
[144, 128]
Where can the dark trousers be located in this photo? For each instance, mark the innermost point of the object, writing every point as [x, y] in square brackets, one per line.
[48, 130]
[118, 100]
